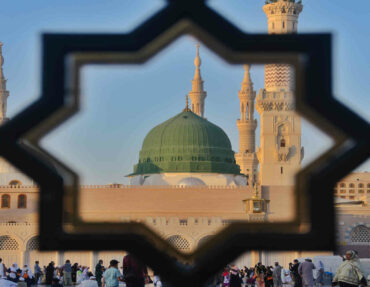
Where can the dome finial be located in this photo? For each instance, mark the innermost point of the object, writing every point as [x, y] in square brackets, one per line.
[186, 104]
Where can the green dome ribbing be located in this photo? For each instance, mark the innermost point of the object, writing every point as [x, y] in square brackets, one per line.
[186, 143]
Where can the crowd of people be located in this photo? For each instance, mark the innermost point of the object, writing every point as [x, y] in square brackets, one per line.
[259, 275]
[135, 274]
[300, 274]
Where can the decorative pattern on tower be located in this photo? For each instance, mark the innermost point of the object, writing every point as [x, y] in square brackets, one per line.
[282, 18]
[197, 94]
[280, 154]
[246, 158]
[279, 77]
[4, 94]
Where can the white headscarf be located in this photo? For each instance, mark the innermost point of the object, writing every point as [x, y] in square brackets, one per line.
[353, 254]
[28, 270]
[14, 267]
[13, 271]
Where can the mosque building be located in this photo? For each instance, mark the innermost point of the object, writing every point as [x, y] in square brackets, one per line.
[187, 149]
[192, 182]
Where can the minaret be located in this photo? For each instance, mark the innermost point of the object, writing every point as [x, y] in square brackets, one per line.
[4, 94]
[197, 94]
[246, 158]
[9, 175]
[280, 154]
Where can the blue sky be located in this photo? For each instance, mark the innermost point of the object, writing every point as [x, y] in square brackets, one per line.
[122, 103]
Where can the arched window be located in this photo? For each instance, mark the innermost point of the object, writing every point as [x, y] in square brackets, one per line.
[5, 201]
[282, 143]
[360, 185]
[8, 243]
[22, 201]
[360, 233]
[368, 185]
[179, 242]
[14, 182]
[283, 25]
[33, 243]
[351, 185]
[342, 185]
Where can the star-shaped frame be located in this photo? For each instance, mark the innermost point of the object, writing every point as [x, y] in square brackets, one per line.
[311, 56]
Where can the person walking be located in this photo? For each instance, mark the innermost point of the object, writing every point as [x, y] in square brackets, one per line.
[74, 272]
[319, 282]
[259, 272]
[50, 273]
[226, 278]
[67, 273]
[276, 275]
[235, 280]
[37, 272]
[269, 280]
[99, 272]
[293, 267]
[28, 275]
[134, 271]
[305, 270]
[111, 276]
[349, 273]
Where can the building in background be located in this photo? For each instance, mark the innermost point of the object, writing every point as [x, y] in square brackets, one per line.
[188, 183]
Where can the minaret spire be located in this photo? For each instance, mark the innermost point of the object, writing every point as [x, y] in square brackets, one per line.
[247, 158]
[4, 94]
[197, 94]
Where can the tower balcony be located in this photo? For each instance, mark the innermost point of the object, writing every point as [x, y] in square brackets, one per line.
[248, 155]
[252, 124]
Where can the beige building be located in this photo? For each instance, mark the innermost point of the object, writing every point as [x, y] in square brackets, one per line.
[188, 183]
[354, 186]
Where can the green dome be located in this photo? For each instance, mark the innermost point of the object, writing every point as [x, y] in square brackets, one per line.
[186, 143]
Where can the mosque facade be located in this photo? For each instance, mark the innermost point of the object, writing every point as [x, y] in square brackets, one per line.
[188, 183]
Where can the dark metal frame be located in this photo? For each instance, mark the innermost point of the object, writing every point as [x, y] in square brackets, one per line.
[58, 184]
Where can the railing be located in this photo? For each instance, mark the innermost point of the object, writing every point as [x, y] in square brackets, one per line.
[16, 224]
